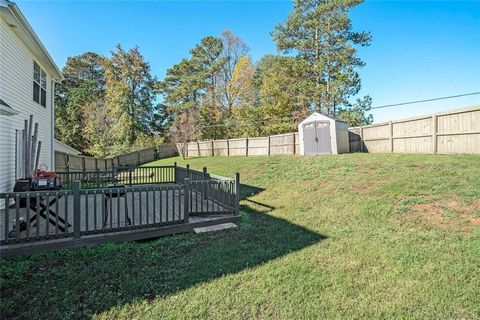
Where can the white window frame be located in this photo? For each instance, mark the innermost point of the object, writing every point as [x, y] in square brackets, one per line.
[41, 82]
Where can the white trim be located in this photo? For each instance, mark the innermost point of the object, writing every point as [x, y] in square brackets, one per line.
[52, 119]
[24, 31]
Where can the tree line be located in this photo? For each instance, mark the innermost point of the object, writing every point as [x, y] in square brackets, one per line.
[111, 105]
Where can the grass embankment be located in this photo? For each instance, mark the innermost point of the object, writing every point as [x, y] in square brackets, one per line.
[348, 236]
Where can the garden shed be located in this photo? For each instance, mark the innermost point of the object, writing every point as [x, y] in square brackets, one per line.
[321, 134]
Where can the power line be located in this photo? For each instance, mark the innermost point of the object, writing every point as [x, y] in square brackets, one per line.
[286, 119]
[422, 50]
[426, 100]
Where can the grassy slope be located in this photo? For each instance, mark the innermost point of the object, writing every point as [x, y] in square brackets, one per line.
[349, 236]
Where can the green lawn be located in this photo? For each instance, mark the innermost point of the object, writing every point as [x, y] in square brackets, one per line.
[348, 236]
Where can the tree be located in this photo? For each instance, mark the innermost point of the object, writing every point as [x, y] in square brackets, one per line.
[283, 93]
[240, 87]
[96, 131]
[206, 58]
[245, 113]
[83, 83]
[320, 33]
[234, 48]
[356, 114]
[129, 96]
[105, 105]
[192, 86]
[182, 131]
[182, 88]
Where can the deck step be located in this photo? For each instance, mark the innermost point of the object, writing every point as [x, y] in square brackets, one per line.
[216, 227]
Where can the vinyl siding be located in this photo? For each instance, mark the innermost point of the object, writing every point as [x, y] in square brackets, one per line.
[16, 82]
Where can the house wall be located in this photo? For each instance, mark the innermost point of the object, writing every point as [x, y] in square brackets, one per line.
[16, 89]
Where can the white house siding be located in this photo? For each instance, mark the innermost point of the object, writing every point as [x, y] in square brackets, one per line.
[16, 89]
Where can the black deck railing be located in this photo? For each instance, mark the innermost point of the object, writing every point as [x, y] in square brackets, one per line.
[124, 199]
[127, 175]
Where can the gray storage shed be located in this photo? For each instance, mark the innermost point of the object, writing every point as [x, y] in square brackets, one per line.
[321, 134]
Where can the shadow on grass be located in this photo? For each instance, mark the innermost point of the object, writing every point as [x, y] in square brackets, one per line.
[78, 283]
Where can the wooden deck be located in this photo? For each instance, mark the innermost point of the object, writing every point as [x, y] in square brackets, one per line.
[135, 215]
[26, 248]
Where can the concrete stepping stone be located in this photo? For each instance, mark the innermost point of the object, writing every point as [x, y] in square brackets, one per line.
[216, 227]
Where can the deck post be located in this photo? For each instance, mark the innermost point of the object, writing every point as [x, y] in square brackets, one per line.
[129, 175]
[188, 171]
[76, 209]
[237, 193]
[204, 190]
[175, 172]
[186, 196]
[97, 177]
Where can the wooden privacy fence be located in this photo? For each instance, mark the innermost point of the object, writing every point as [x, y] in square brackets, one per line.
[456, 131]
[69, 162]
[171, 196]
[272, 145]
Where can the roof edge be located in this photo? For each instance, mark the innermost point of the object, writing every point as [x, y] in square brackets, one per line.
[18, 15]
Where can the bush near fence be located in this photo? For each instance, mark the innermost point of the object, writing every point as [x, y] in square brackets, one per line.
[69, 162]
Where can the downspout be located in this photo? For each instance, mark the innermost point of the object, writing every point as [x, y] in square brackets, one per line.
[52, 124]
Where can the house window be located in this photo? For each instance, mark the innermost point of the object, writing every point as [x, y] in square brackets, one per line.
[39, 85]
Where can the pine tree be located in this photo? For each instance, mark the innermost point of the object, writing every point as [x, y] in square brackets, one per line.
[320, 33]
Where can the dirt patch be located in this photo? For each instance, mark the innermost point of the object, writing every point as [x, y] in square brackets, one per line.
[473, 220]
[449, 214]
[431, 208]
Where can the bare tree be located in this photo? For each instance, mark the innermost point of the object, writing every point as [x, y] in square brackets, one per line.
[182, 131]
[233, 49]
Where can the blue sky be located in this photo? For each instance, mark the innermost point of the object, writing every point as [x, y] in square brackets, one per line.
[420, 49]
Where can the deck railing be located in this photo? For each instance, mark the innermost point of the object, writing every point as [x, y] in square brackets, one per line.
[154, 197]
[127, 175]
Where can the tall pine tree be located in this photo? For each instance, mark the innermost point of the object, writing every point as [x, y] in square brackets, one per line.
[320, 33]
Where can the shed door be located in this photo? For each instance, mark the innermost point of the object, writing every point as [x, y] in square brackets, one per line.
[316, 138]
[322, 129]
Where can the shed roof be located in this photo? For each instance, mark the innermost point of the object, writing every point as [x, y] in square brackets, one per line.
[315, 115]
[62, 147]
